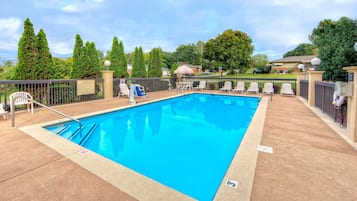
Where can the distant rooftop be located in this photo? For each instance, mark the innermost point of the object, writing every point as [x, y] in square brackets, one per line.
[295, 59]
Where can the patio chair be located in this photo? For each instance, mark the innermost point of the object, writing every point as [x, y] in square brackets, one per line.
[123, 90]
[3, 112]
[253, 87]
[227, 86]
[268, 88]
[139, 91]
[240, 87]
[202, 85]
[286, 89]
[21, 98]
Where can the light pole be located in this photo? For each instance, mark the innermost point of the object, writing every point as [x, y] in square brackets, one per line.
[107, 64]
[315, 62]
[301, 67]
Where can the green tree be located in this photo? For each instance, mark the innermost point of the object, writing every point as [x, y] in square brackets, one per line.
[335, 40]
[7, 70]
[187, 53]
[231, 50]
[260, 61]
[115, 58]
[63, 68]
[26, 53]
[138, 69]
[44, 64]
[123, 64]
[78, 55]
[93, 69]
[302, 49]
[155, 63]
[200, 46]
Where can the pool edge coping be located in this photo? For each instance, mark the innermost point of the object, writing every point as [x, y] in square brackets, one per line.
[115, 173]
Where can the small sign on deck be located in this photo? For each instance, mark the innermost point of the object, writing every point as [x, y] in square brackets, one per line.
[265, 149]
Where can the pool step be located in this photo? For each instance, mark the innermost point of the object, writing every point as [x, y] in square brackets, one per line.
[82, 135]
[69, 131]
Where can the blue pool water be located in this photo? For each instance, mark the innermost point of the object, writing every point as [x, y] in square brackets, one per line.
[186, 143]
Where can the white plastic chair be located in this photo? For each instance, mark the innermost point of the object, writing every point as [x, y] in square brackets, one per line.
[123, 90]
[202, 85]
[286, 89]
[240, 87]
[253, 87]
[3, 112]
[268, 88]
[21, 98]
[227, 86]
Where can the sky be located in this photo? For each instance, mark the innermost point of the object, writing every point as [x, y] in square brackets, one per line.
[275, 26]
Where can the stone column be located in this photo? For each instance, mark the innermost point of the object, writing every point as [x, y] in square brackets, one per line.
[108, 83]
[313, 76]
[300, 76]
[352, 105]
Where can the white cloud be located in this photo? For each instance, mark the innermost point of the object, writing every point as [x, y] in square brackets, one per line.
[79, 6]
[10, 28]
[60, 48]
[5, 45]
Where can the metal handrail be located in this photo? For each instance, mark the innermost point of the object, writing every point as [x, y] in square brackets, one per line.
[45, 106]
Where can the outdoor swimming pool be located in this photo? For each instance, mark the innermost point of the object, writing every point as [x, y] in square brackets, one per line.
[186, 143]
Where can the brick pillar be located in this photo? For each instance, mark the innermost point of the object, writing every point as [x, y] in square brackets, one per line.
[352, 105]
[108, 83]
[313, 76]
[300, 76]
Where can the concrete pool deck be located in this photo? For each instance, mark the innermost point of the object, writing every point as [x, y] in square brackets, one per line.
[310, 161]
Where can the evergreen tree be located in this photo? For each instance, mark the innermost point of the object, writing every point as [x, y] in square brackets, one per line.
[155, 63]
[26, 53]
[78, 53]
[123, 64]
[115, 58]
[44, 64]
[93, 64]
[139, 69]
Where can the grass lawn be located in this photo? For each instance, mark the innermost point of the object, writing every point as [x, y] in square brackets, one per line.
[266, 75]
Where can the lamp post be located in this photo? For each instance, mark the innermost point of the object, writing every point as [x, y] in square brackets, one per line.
[301, 67]
[315, 62]
[107, 64]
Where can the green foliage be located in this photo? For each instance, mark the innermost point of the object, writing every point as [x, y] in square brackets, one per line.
[63, 68]
[7, 70]
[78, 54]
[187, 53]
[123, 64]
[44, 68]
[138, 69]
[302, 49]
[168, 59]
[155, 63]
[115, 58]
[335, 40]
[92, 68]
[260, 61]
[231, 50]
[26, 53]
[34, 57]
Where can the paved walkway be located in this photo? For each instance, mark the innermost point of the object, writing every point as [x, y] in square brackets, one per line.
[310, 161]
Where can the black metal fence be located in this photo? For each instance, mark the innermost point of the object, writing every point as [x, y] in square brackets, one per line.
[150, 84]
[49, 92]
[304, 89]
[324, 93]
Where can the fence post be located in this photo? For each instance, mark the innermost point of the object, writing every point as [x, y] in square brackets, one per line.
[352, 105]
[108, 83]
[300, 76]
[313, 76]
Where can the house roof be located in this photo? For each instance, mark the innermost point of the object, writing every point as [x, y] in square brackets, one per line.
[295, 59]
